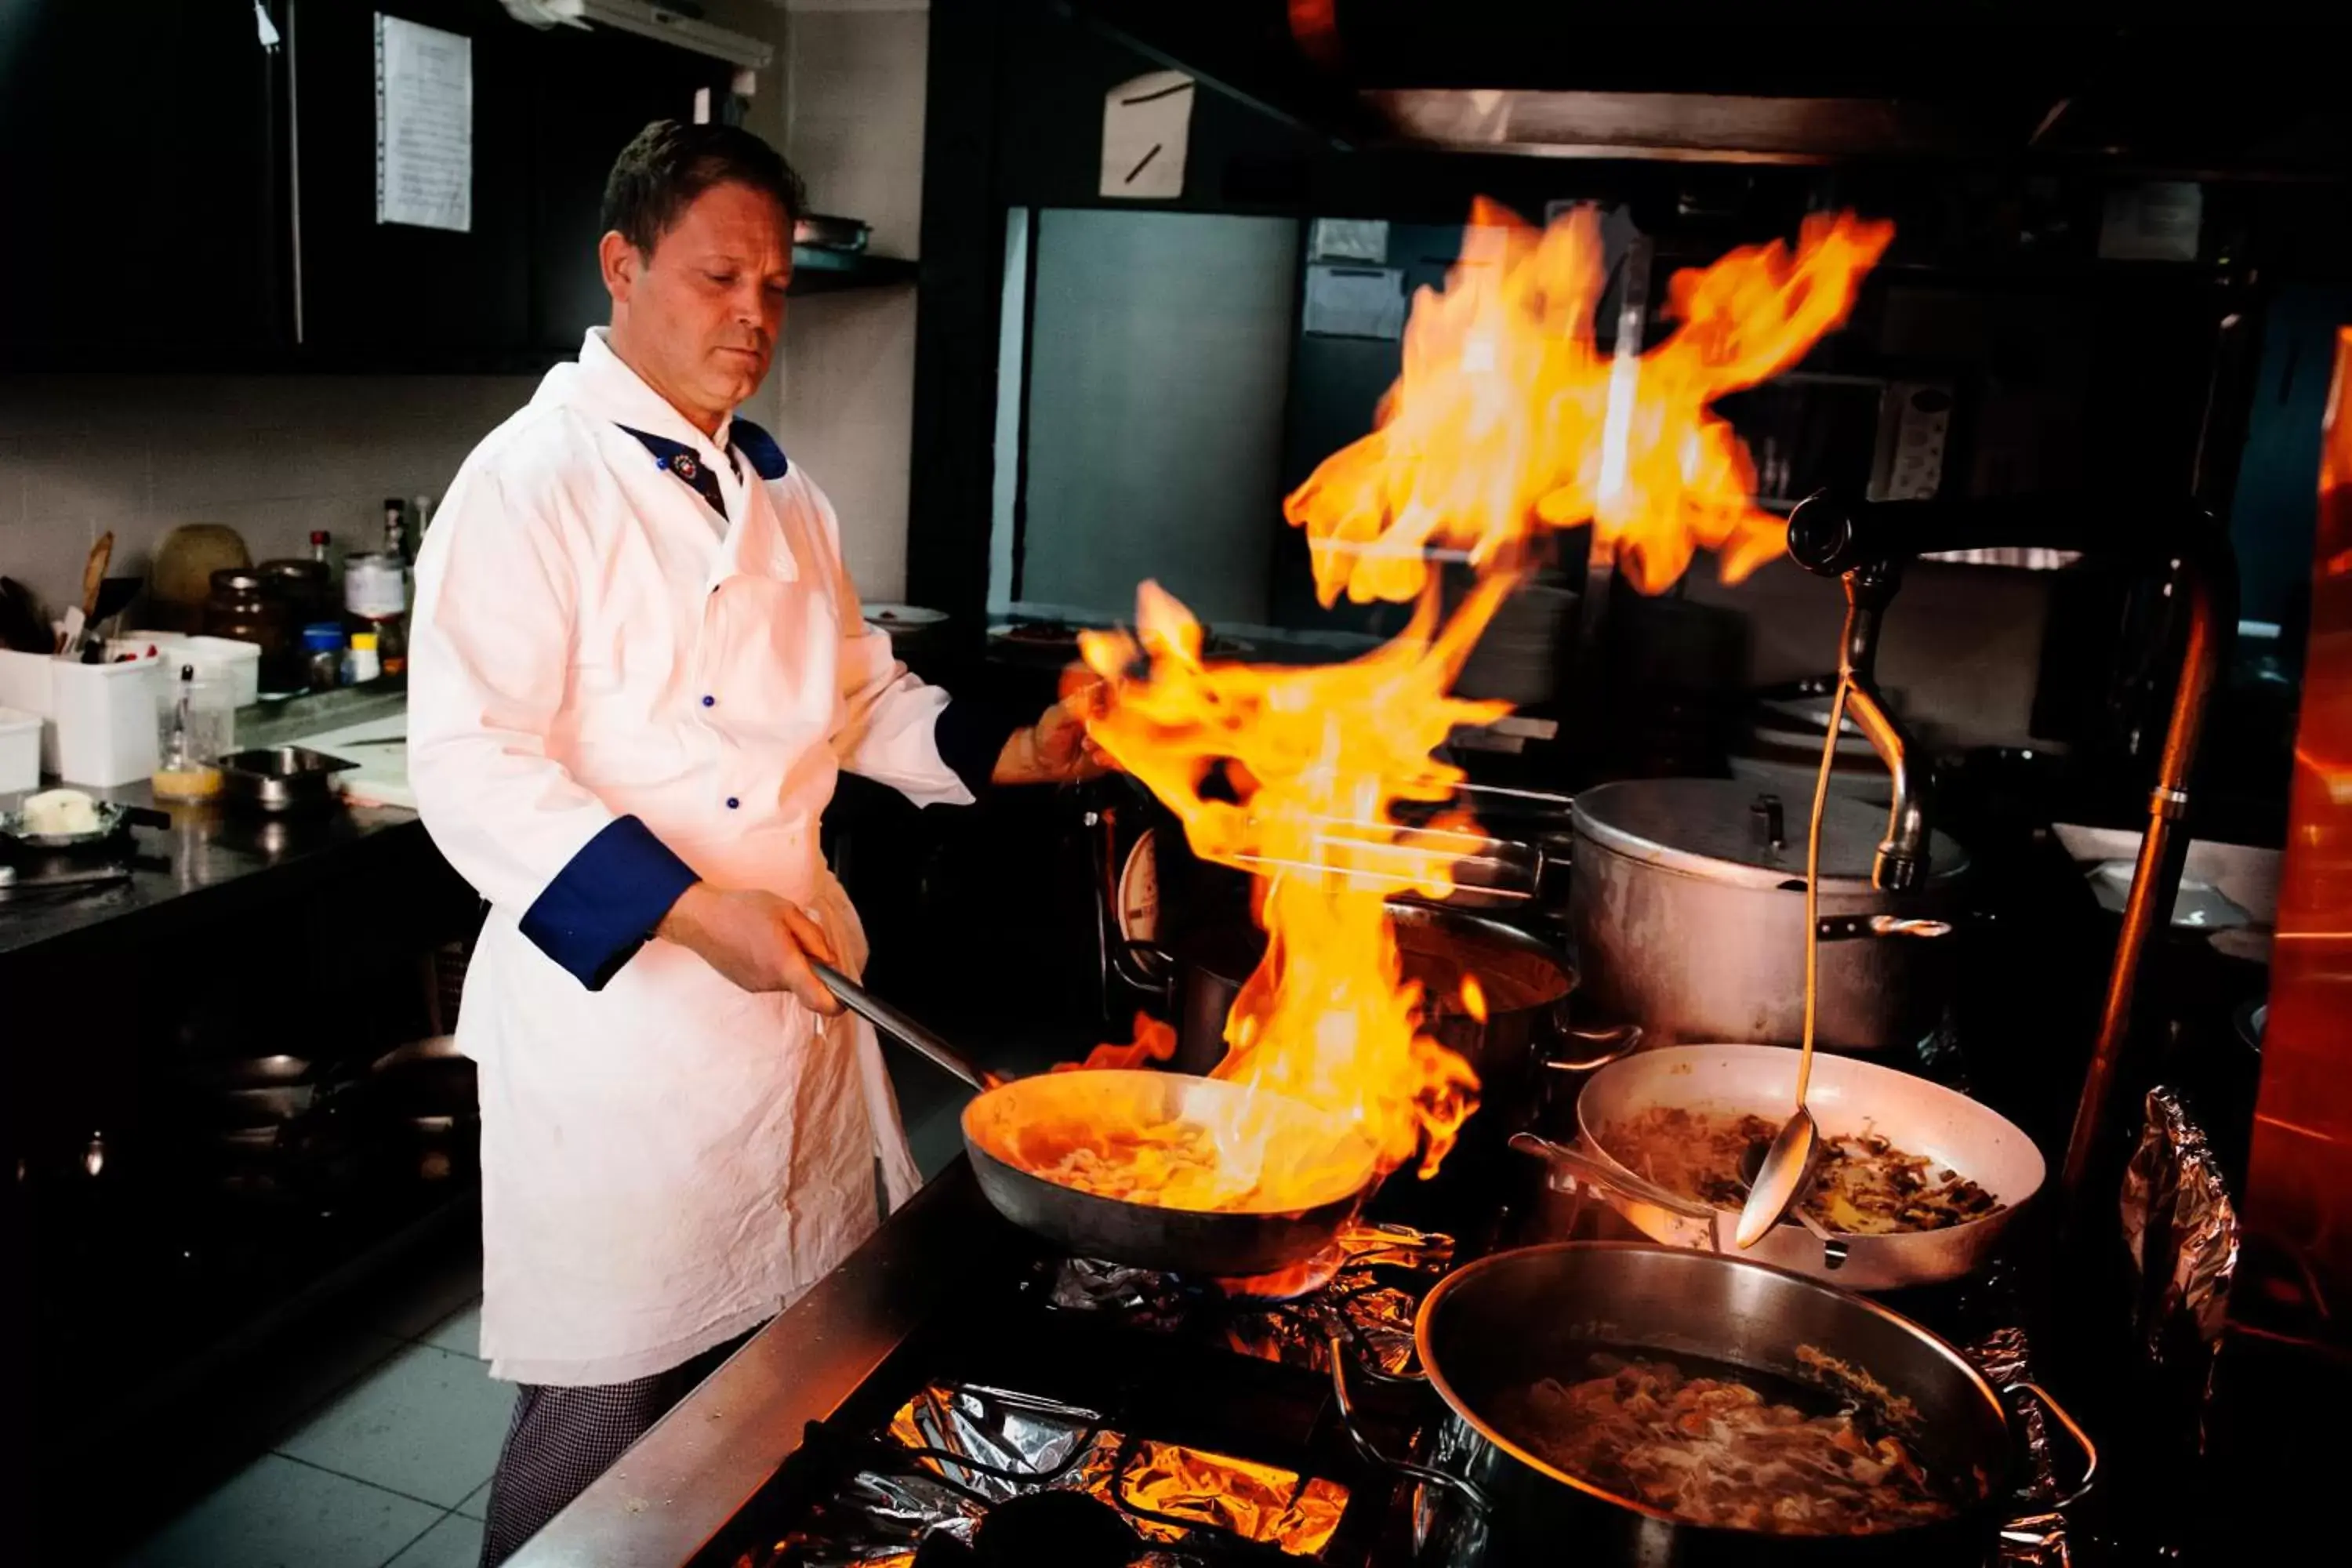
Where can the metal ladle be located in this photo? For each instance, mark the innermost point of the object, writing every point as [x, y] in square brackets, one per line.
[1752, 1164]
[1780, 1174]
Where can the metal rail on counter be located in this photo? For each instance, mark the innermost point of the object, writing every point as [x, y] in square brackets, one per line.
[684, 1481]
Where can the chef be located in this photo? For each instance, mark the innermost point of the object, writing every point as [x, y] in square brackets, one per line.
[637, 666]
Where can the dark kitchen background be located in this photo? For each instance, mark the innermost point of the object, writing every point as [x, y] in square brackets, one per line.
[2122, 258]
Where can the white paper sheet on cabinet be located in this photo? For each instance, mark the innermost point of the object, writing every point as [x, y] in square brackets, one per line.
[424, 126]
[1147, 132]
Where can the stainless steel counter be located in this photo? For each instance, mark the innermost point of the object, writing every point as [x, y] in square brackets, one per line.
[212, 865]
[687, 1477]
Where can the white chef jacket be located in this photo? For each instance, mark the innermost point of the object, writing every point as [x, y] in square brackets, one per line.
[614, 689]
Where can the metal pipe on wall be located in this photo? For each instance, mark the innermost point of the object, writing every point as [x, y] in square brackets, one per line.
[2212, 623]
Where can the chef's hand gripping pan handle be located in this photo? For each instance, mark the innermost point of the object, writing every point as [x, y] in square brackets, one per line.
[891, 1021]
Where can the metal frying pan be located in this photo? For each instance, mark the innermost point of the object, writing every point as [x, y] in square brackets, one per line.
[1849, 1097]
[1005, 1129]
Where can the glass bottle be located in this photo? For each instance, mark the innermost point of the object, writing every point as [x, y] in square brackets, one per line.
[195, 728]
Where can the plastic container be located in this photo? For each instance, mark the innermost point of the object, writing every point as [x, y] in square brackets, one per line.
[238, 663]
[362, 665]
[20, 750]
[27, 686]
[322, 651]
[106, 720]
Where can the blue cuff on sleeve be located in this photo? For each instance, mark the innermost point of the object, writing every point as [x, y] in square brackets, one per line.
[604, 903]
[970, 737]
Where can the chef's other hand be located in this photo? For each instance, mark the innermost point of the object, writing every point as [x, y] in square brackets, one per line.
[1055, 750]
[755, 939]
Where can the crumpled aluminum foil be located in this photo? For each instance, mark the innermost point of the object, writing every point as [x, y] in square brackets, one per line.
[2036, 1540]
[925, 1475]
[2181, 1229]
[1379, 1277]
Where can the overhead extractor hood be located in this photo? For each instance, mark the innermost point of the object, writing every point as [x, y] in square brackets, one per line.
[1568, 81]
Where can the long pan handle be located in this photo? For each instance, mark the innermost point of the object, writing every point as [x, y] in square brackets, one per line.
[891, 1021]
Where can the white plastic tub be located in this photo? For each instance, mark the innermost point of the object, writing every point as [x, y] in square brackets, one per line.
[106, 717]
[20, 750]
[26, 686]
[223, 658]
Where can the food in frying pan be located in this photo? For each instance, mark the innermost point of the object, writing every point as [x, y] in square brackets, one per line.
[1173, 1164]
[1715, 1451]
[1865, 1185]
[59, 812]
[1264, 1159]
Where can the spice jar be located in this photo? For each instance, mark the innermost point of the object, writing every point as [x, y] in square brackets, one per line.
[322, 653]
[244, 606]
[306, 586]
[361, 664]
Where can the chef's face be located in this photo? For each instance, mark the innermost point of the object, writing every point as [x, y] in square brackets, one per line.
[697, 318]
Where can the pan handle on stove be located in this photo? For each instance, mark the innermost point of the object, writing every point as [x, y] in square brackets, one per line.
[2082, 1439]
[1607, 1181]
[892, 1022]
[1845, 928]
[1469, 1491]
[1607, 1044]
[1146, 967]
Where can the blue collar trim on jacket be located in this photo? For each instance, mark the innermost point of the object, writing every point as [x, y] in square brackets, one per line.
[767, 458]
[756, 446]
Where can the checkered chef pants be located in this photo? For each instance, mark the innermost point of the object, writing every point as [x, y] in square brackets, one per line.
[563, 1438]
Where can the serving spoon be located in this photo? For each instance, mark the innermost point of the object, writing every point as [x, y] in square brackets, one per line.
[1752, 1164]
[1780, 1174]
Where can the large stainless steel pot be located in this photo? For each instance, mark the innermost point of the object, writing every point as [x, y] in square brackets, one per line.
[1516, 1317]
[1687, 913]
[1848, 1098]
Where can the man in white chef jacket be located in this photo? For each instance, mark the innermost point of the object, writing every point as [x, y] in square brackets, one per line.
[637, 667]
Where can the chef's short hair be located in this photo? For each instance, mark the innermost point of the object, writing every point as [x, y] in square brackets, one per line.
[659, 173]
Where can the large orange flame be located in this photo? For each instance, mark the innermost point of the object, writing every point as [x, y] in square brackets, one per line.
[1506, 422]
[1507, 418]
[1317, 757]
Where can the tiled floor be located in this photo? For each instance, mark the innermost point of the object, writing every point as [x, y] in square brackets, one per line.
[390, 1468]
[389, 1429]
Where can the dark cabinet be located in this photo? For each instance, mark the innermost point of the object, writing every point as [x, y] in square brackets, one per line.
[393, 294]
[180, 196]
[591, 93]
[141, 186]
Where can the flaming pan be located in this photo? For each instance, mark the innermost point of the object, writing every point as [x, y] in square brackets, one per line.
[1017, 1130]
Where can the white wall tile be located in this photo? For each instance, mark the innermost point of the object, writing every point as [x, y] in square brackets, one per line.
[47, 558]
[843, 399]
[857, 116]
[272, 457]
[12, 480]
[846, 410]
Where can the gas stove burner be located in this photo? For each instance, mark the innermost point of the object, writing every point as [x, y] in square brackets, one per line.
[1302, 1279]
[1067, 1528]
[1371, 1282]
[968, 1474]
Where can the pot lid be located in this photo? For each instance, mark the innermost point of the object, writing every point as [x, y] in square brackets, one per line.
[1718, 828]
